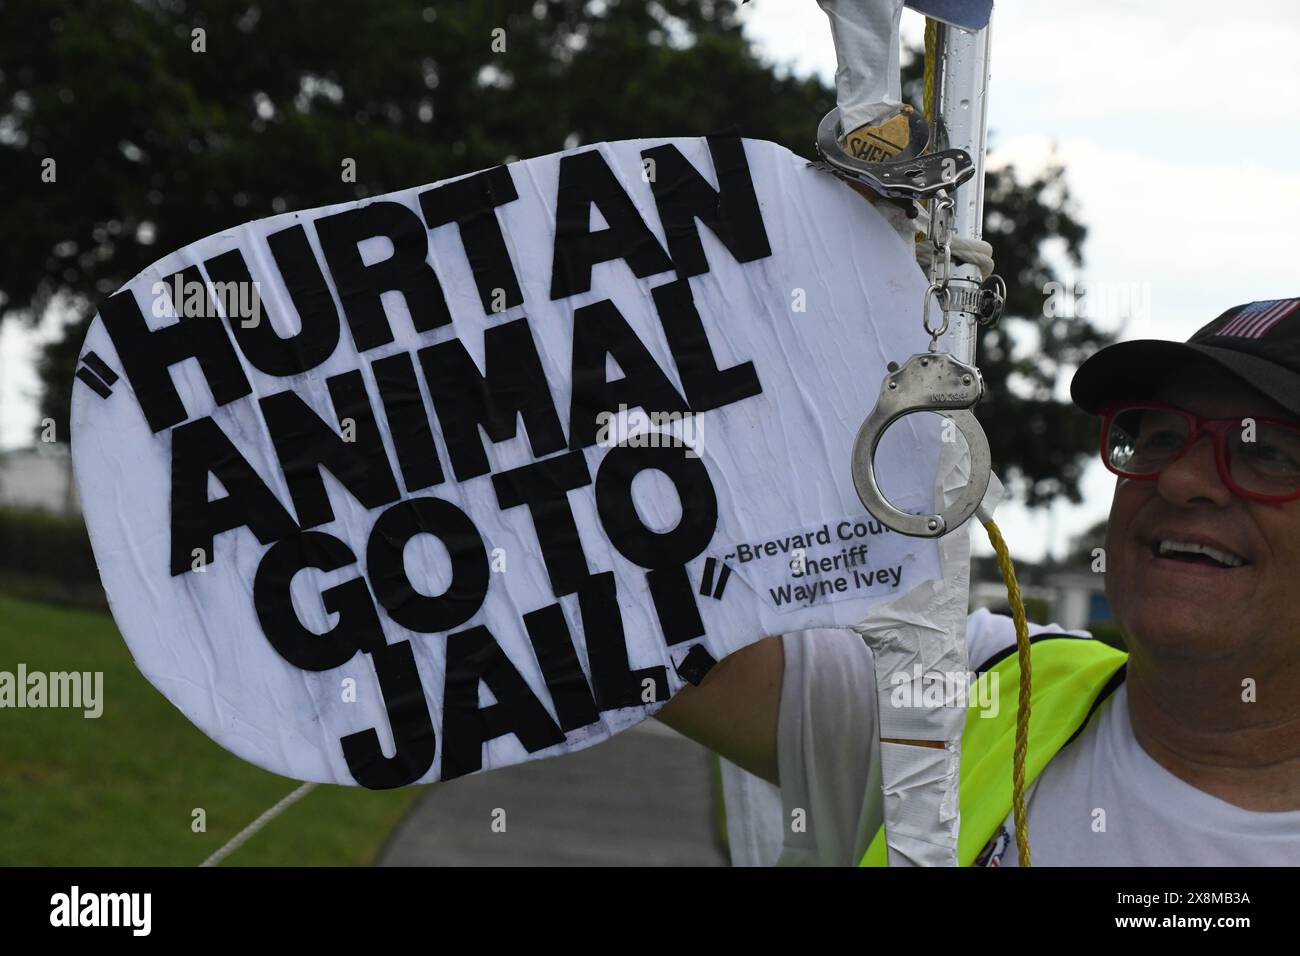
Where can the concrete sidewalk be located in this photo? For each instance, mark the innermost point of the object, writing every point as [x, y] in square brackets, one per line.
[644, 798]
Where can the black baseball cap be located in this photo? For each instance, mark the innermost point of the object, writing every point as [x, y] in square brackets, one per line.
[1258, 342]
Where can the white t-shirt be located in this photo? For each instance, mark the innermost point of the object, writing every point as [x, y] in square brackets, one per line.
[1102, 801]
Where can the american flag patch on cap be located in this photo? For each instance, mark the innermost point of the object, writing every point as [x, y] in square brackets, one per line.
[1255, 320]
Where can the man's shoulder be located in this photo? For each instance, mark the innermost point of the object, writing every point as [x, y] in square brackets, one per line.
[989, 634]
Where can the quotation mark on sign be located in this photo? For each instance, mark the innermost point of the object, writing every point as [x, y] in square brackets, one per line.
[706, 586]
[99, 376]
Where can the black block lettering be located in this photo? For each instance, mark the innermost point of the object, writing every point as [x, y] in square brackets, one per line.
[674, 600]
[471, 203]
[408, 421]
[731, 211]
[408, 715]
[585, 179]
[406, 271]
[261, 344]
[474, 656]
[544, 487]
[602, 624]
[358, 627]
[512, 385]
[553, 647]
[305, 444]
[199, 448]
[706, 386]
[387, 569]
[147, 354]
[599, 330]
[618, 514]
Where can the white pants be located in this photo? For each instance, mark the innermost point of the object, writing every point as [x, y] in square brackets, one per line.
[867, 86]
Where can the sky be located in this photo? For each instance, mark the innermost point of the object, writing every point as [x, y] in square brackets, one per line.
[1179, 127]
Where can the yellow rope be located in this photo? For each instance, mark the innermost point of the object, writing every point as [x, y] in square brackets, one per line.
[927, 85]
[931, 58]
[1026, 683]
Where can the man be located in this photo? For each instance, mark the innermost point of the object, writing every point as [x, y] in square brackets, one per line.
[1189, 753]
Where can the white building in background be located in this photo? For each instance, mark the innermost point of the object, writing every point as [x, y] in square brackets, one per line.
[1075, 599]
[39, 477]
[1080, 599]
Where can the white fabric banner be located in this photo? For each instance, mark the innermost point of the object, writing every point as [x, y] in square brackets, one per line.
[483, 471]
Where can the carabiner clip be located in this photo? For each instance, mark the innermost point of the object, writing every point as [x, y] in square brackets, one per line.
[926, 382]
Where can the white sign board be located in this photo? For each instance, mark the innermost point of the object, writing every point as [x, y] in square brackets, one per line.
[398, 490]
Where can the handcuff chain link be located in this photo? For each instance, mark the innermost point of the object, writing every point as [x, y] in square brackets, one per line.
[940, 264]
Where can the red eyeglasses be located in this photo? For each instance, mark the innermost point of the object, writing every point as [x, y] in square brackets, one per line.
[1258, 458]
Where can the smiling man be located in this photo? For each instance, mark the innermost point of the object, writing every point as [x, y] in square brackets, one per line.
[1185, 752]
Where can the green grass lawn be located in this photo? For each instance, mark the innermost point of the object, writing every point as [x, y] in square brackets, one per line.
[121, 790]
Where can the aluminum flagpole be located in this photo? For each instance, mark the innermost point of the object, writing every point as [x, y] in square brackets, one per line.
[961, 89]
[923, 631]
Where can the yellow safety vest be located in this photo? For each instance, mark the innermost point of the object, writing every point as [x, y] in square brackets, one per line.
[1072, 676]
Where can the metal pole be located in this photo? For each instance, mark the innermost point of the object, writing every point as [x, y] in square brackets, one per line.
[961, 86]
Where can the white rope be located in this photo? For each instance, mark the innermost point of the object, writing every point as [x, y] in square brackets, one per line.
[975, 252]
[242, 837]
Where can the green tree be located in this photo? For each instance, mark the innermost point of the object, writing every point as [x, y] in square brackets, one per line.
[169, 120]
[157, 143]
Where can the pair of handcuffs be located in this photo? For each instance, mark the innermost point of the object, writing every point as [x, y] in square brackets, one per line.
[930, 381]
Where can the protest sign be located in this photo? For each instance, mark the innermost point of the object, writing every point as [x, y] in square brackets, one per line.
[482, 471]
